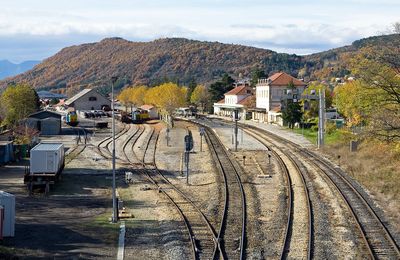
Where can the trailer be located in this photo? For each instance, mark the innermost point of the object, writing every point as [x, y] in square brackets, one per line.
[46, 165]
[7, 212]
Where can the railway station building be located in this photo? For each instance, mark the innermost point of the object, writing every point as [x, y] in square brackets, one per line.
[270, 93]
[239, 98]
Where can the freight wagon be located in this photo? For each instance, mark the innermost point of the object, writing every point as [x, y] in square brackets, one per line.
[46, 165]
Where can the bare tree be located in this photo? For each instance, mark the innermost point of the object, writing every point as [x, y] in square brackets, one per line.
[396, 27]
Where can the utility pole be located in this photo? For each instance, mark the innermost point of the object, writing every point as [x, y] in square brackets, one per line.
[236, 118]
[321, 118]
[114, 218]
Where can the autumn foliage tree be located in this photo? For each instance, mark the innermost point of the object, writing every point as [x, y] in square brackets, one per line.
[166, 97]
[17, 102]
[133, 96]
[378, 73]
[200, 97]
[313, 105]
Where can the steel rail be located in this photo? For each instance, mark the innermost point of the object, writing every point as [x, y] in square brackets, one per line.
[369, 231]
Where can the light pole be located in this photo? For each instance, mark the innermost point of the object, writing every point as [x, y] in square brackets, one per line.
[114, 218]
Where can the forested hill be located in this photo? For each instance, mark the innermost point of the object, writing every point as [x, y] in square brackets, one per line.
[179, 60]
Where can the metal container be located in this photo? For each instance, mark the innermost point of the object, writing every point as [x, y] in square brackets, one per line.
[7, 201]
[6, 152]
[47, 158]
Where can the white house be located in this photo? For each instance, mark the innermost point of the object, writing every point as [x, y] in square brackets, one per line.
[235, 99]
[87, 99]
[271, 92]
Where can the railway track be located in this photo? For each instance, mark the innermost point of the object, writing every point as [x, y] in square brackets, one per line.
[78, 149]
[108, 140]
[289, 238]
[377, 238]
[232, 229]
[201, 234]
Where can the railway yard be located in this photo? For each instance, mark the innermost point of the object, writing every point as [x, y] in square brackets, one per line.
[273, 198]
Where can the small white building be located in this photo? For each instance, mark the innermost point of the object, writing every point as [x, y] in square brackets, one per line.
[87, 99]
[235, 99]
[271, 92]
[152, 110]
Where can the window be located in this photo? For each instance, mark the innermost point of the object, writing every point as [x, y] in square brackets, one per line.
[92, 98]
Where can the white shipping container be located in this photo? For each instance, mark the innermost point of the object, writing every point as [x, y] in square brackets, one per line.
[7, 201]
[47, 158]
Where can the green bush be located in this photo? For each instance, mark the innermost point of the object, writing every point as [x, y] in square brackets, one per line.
[330, 127]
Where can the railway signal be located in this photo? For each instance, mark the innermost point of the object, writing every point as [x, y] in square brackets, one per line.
[188, 147]
[201, 138]
[167, 136]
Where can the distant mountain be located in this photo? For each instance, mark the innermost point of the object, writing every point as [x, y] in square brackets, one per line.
[9, 69]
[181, 60]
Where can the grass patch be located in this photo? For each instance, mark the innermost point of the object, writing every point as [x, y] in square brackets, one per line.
[376, 166]
[7, 252]
[330, 138]
[109, 230]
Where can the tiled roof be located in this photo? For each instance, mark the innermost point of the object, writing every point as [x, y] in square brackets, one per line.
[241, 90]
[245, 100]
[222, 101]
[283, 79]
[276, 109]
[146, 107]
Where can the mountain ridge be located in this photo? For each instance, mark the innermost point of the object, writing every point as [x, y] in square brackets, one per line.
[9, 69]
[178, 59]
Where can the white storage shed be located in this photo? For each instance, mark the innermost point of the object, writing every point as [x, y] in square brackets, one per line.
[47, 158]
[7, 201]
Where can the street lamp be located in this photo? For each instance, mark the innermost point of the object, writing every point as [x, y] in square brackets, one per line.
[114, 218]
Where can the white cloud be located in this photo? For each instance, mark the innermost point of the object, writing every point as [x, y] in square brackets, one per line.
[287, 25]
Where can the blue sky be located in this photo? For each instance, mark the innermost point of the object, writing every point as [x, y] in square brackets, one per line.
[38, 29]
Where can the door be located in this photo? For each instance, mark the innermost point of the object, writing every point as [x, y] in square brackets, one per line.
[50, 162]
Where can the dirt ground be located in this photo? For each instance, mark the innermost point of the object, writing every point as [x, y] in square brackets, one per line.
[72, 222]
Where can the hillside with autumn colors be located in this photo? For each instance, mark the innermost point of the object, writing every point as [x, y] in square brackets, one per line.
[179, 60]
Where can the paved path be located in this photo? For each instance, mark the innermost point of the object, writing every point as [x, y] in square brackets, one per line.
[275, 129]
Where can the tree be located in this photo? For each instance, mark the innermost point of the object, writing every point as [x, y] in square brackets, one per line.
[191, 87]
[123, 97]
[132, 96]
[17, 102]
[291, 112]
[166, 97]
[396, 27]
[313, 105]
[257, 74]
[354, 102]
[220, 87]
[378, 73]
[200, 97]
[137, 95]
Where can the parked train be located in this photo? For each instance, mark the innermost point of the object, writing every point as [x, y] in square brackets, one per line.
[71, 118]
[135, 117]
[140, 116]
